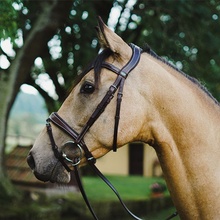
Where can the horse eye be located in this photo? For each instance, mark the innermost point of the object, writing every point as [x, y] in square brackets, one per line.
[87, 88]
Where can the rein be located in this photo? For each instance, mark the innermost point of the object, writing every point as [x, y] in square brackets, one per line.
[72, 151]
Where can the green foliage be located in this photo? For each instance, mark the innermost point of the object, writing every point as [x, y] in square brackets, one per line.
[184, 32]
[8, 19]
[27, 209]
[8, 193]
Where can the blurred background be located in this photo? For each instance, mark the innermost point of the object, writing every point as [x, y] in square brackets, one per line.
[44, 45]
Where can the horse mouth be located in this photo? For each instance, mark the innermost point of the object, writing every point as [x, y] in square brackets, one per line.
[42, 177]
[53, 173]
[57, 174]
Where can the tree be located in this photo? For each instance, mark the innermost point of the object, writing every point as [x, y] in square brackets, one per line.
[39, 24]
[184, 32]
[52, 15]
[181, 41]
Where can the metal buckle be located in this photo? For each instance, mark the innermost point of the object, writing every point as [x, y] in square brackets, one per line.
[123, 74]
[72, 153]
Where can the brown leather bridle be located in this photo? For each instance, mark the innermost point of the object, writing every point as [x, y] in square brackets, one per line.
[78, 145]
[78, 137]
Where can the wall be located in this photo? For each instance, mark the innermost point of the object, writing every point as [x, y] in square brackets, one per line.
[117, 163]
[114, 162]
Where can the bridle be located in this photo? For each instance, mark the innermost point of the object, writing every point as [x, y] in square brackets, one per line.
[78, 146]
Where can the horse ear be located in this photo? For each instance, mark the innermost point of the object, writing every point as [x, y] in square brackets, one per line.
[109, 39]
[100, 33]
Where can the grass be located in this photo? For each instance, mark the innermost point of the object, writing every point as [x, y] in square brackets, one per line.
[129, 187]
[133, 188]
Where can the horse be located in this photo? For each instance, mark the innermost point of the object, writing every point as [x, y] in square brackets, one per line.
[161, 106]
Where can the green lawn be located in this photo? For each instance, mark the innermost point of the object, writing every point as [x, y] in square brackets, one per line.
[129, 187]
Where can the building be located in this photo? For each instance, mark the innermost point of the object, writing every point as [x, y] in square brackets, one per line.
[132, 159]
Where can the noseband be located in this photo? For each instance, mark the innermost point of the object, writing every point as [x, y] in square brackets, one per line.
[78, 145]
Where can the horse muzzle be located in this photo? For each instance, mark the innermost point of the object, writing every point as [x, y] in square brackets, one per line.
[32, 165]
[53, 172]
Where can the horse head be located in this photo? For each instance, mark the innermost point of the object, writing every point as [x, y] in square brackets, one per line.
[77, 110]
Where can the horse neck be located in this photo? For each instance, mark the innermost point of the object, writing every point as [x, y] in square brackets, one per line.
[185, 130]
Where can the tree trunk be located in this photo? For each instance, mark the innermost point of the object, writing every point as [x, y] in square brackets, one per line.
[53, 15]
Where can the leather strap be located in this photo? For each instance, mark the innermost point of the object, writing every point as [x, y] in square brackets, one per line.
[119, 83]
[57, 154]
[97, 171]
[58, 121]
[78, 138]
[100, 108]
[79, 182]
[172, 216]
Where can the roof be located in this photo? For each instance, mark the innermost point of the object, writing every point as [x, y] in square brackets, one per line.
[19, 171]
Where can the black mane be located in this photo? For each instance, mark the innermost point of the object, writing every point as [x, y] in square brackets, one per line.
[96, 64]
[148, 50]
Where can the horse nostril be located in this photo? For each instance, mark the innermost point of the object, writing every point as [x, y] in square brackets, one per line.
[30, 161]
